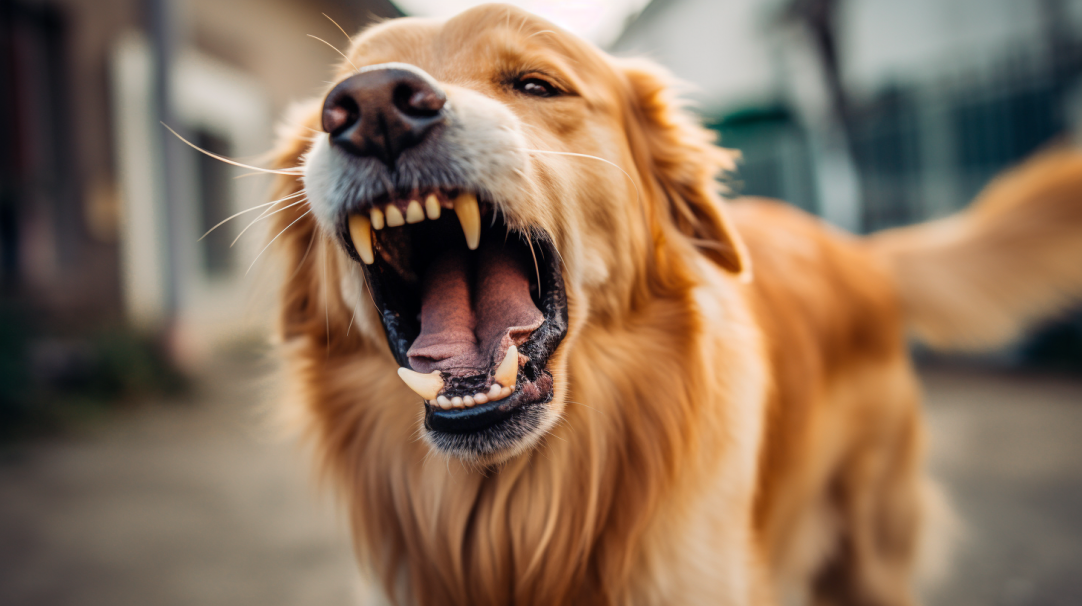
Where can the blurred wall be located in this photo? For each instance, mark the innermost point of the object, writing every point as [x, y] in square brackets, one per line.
[942, 94]
[67, 236]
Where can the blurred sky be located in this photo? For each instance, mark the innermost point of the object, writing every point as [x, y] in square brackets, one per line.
[599, 21]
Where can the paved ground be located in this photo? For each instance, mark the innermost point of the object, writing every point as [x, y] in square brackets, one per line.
[1009, 449]
[191, 504]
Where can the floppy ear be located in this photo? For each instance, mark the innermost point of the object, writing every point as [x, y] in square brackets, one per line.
[682, 157]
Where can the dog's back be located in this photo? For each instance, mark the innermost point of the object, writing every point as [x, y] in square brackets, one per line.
[842, 491]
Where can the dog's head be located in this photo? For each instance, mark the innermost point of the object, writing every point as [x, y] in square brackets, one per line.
[498, 185]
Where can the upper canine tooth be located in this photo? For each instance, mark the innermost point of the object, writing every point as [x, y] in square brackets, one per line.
[507, 372]
[432, 207]
[427, 386]
[414, 212]
[469, 215]
[394, 216]
[360, 231]
[377, 218]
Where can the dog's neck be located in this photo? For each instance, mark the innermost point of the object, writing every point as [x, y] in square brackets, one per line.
[556, 524]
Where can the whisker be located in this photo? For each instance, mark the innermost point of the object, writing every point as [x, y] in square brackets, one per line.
[586, 406]
[351, 319]
[326, 304]
[335, 49]
[311, 241]
[248, 210]
[293, 173]
[535, 268]
[338, 26]
[544, 31]
[638, 192]
[275, 238]
[264, 215]
[638, 197]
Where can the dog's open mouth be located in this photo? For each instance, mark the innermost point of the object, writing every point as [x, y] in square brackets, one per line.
[472, 309]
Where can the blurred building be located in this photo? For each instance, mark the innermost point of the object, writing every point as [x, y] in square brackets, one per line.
[875, 113]
[869, 112]
[938, 95]
[101, 210]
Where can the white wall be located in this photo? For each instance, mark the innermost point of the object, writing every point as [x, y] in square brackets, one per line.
[734, 50]
[211, 309]
[717, 45]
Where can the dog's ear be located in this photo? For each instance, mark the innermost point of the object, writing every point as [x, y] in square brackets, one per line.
[673, 147]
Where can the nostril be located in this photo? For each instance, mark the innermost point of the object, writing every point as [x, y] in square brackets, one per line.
[340, 114]
[418, 100]
[382, 112]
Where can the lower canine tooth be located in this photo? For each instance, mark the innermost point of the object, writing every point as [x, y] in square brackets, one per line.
[414, 212]
[469, 215]
[360, 231]
[426, 386]
[432, 207]
[507, 372]
[394, 216]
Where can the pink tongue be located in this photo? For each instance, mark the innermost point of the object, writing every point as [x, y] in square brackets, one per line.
[467, 333]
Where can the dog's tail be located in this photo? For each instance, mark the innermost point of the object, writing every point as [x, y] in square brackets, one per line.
[976, 280]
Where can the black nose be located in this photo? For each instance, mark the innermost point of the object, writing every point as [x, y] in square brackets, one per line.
[382, 112]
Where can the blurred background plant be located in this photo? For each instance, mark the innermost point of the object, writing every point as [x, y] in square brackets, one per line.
[51, 379]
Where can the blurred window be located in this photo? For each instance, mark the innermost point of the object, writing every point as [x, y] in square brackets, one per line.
[215, 201]
[886, 144]
[775, 160]
[39, 215]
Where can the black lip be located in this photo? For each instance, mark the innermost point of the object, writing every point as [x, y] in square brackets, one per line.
[482, 422]
[468, 420]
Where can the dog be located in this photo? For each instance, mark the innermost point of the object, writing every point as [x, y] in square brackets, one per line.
[545, 362]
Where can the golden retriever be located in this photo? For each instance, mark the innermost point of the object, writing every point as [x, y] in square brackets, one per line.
[545, 363]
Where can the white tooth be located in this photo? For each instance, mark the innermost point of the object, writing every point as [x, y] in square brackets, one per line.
[394, 216]
[432, 207]
[377, 218]
[426, 386]
[469, 215]
[444, 402]
[414, 212]
[480, 398]
[506, 391]
[507, 372]
[360, 231]
[456, 402]
[494, 391]
[468, 401]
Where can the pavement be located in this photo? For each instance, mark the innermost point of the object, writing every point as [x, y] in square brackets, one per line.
[196, 502]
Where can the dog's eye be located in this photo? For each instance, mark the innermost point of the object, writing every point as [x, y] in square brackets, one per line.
[536, 87]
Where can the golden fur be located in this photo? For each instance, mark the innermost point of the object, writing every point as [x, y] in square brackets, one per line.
[736, 418]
